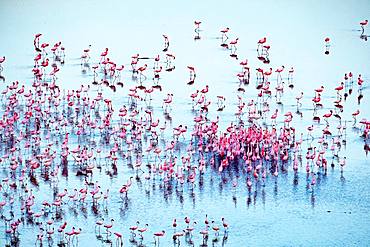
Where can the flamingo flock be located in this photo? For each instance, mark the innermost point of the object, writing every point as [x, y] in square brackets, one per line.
[50, 134]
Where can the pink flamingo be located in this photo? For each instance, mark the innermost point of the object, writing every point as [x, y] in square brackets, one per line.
[261, 42]
[157, 235]
[327, 45]
[166, 43]
[2, 60]
[192, 75]
[224, 37]
[363, 24]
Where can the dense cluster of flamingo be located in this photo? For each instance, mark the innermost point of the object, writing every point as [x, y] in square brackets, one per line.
[49, 133]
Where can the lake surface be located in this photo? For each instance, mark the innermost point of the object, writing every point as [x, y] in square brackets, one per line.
[280, 211]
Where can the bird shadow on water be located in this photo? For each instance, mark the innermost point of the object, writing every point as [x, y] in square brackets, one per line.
[313, 198]
[125, 206]
[342, 179]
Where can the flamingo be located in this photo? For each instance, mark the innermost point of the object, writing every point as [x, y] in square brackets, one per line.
[192, 74]
[354, 115]
[166, 43]
[109, 226]
[327, 45]
[327, 116]
[141, 71]
[36, 42]
[142, 230]
[103, 55]
[339, 89]
[157, 235]
[197, 24]
[224, 33]
[167, 101]
[233, 47]
[298, 98]
[2, 60]
[119, 240]
[363, 24]
[279, 70]
[261, 42]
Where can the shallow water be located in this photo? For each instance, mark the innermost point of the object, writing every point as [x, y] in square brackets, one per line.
[277, 212]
